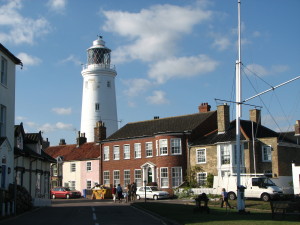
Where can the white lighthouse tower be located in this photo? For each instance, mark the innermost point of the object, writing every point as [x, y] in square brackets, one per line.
[98, 93]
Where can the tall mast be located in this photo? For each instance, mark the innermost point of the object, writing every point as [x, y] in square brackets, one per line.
[240, 201]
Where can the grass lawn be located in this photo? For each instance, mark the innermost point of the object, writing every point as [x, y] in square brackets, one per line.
[183, 214]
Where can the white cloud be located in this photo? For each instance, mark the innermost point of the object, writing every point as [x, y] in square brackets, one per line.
[28, 60]
[73, 59]
[136, 86]
[18, 29]
[57, 5]
[21, 118]
[158, 98]
[221, 42]
[151, 34]
[47, 127]
[62, 111]
[263, 71]
[181, 68]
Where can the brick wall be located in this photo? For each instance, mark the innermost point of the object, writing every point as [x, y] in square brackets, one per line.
[133, 163]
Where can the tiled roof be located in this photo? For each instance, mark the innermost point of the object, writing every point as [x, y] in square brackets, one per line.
[186, 123]
[31, 138]
[27, 152]
[246, 127]
[72, 152]
[19, 129]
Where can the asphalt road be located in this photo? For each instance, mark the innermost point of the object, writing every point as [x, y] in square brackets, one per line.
[84, 212]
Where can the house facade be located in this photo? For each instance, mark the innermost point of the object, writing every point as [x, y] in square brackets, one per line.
[8, 64]
[263, 151]
[153, 151]
[32, 165]
[77, 165]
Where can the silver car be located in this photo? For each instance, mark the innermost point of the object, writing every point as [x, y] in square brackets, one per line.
[152, 192]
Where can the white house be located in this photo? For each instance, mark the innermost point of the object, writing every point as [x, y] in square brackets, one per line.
[296, 178]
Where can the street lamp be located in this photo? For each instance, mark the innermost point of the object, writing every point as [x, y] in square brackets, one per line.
[145, 188]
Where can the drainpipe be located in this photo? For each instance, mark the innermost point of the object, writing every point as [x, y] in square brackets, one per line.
[100, 165]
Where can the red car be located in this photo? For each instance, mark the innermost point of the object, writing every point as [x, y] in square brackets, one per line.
[64, 192]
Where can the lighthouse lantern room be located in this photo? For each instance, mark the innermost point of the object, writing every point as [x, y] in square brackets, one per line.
[98, 92]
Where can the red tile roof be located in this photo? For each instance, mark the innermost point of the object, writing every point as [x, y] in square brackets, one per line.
[85, 151]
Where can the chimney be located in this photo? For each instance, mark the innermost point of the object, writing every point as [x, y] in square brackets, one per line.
[223, 118]
[156, 117]
[204, 107]
[255, 115]
[99, 132]
[62, 142]
[45, 144]
[81, 139]
[297, 128]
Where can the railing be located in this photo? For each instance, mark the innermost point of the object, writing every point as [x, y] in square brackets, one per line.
[98, 66]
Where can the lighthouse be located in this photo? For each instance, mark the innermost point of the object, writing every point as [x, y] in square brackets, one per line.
[98, 92]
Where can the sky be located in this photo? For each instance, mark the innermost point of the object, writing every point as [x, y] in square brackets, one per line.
[170, 56]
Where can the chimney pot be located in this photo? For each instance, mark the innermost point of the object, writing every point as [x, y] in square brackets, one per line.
[204, 107]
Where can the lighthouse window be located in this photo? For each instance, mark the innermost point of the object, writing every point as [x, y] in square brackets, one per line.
[97, 106]
[108, 83]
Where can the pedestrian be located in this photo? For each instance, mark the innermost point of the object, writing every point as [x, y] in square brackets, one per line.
[119, 193]
[129, 192]
[113, 192]
[224, 199]
[133, 191]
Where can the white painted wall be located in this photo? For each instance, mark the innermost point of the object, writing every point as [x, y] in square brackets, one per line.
[7, 98]
[95, 90]
[296, 178]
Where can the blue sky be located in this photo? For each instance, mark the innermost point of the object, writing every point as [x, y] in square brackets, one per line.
[170, 57]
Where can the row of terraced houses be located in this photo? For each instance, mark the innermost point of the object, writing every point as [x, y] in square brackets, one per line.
[163, 151]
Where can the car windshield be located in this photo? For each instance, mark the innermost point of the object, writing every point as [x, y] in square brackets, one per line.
[154, 188]
[267, 182]
[67, 189]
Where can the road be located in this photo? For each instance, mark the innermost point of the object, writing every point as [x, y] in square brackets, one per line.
[84, 212]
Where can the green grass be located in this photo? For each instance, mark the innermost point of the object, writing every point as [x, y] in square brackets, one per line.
[184, 214]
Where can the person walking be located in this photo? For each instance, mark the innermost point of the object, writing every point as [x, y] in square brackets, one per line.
[133, 191]
[224, 199]
[119, 193]
[114, 192]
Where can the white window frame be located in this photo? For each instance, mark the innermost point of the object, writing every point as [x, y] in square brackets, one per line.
[149, 149]
[3, 71]
[126, 151]
[176, 176]
[163, 146]
[202, 182]
[164, 177]
[116, 152]
[267, 152]
[88, 166]
[225, 154]
[126, 177]
[72, 185]
[200, 155]
[138, 177]
[106, 177]
[88, 184]
[116, 177]
[97, 106]
[106, 153]
[137, 150]
[73, 167]
[176, 148]
[2, 120]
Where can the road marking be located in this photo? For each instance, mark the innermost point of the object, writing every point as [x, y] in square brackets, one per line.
[93, 209]
[94, 216]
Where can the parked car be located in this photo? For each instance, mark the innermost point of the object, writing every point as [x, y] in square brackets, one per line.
[152, 192]
[64, 192]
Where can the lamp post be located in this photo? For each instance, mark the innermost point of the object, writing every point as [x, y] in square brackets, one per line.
[145, 189]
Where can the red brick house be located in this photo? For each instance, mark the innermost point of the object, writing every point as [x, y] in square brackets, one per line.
[153, 150]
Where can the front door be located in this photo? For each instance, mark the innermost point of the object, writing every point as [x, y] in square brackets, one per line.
[150, 175]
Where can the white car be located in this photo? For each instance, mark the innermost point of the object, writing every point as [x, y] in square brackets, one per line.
[151, 192]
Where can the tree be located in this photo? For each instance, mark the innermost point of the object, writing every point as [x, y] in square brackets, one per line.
[191, 177]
